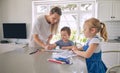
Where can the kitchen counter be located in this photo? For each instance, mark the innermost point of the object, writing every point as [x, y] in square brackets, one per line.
[113, 41]
[19, 61]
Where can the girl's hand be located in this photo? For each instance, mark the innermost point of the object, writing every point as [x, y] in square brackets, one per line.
[74, 49]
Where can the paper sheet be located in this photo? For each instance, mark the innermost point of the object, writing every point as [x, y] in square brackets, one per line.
[64, 54]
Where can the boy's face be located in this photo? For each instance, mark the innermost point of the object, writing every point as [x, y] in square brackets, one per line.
[65, 36]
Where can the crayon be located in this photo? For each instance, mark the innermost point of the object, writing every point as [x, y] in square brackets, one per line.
[56, 61]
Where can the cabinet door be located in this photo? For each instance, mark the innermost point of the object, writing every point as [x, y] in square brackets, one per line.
[119, 55]
[104, 10]
[116, 10]
[111, 58]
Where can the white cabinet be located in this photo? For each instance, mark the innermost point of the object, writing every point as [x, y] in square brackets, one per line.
[108, 10]
[111, 58]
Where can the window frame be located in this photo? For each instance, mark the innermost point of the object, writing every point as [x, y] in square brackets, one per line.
[77, 12]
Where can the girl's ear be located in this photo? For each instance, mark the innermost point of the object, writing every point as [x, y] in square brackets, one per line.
[93, 30]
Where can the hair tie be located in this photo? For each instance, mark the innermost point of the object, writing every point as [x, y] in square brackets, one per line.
[101, 24]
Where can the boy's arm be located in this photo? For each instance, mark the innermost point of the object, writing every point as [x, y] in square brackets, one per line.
[70, 47]
[67, 47]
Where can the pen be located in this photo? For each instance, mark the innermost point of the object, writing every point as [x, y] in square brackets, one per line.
[33, 52]
[61, 59]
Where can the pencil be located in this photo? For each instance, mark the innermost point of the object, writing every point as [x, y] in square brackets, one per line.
[33, 52]
[75, 43]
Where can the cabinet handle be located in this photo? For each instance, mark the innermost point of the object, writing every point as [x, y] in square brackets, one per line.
[112, 16]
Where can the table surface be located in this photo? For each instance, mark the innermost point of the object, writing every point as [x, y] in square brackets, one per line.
[18, 61]
[43, 66]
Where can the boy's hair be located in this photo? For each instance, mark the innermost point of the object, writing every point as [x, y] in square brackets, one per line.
[95, 23]
[59, 12]
[66, 29]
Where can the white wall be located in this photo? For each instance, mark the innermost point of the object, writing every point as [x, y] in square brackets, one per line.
[0, 20]
[16, 11]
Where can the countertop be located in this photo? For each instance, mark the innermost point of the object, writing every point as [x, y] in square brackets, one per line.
[19, 61]
[113, 41]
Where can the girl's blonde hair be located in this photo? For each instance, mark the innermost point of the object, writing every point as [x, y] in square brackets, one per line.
[101, 28]
[59, 12]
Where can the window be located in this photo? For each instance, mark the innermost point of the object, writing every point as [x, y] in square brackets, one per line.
[73, 15]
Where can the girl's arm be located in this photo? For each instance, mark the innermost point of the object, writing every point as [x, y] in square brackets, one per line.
[88, 52]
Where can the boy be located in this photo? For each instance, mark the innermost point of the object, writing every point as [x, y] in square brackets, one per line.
[64, 43]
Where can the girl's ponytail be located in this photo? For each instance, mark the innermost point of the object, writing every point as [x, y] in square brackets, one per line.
[103, 32]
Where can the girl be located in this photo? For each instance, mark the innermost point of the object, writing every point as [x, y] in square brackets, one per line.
[91, 50]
